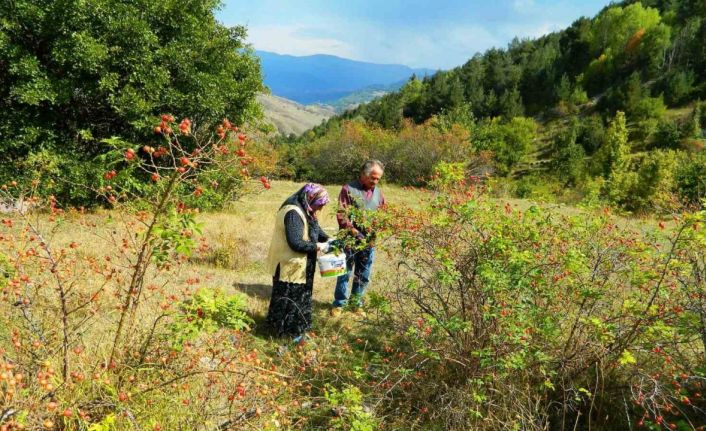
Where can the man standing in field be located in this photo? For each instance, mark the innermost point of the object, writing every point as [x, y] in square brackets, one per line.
[360, 196]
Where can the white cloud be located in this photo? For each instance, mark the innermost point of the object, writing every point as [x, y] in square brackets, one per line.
[297, 40]
[446, 47]
[521, 31]
[433, 47]
[417, 33]
[522, 6]
[475, 38]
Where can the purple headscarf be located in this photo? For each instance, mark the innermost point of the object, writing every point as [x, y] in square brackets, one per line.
[311, 195]
[315, 196]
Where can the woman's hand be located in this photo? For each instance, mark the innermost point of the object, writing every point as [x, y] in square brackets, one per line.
[323, 247]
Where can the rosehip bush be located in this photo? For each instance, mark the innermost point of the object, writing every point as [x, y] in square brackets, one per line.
[89, 303]
[215, 167]
[534, 319]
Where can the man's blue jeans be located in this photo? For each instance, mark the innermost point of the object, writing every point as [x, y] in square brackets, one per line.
[361, 264]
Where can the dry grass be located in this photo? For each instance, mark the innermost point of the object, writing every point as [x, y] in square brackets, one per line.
[679, 114]
[239, 238]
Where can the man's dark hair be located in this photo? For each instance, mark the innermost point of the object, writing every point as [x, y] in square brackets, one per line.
[368, 166]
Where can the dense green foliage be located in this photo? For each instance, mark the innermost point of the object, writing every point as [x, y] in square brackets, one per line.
[605, 94]
[73, 72]
[410, 154]
[207, 311]
[625, 47]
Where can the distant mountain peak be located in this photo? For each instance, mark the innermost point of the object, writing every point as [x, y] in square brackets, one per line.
[424, 70]
[325, 78]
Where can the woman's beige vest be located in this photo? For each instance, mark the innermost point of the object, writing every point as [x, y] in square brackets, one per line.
[292, 264]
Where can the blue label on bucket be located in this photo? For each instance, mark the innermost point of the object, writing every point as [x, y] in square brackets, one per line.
[332, 265]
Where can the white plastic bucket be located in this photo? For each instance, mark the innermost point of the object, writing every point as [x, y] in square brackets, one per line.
[332, 265]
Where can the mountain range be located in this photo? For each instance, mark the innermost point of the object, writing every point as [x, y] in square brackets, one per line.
[325, 79]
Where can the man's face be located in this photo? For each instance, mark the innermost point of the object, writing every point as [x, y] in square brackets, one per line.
[371, 180]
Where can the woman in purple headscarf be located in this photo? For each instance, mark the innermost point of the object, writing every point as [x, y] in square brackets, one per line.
[291, 260]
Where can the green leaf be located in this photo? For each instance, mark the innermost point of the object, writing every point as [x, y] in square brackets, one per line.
[626, 358]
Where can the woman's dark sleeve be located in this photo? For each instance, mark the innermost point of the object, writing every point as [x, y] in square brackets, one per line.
[294, 230]
[322, 236]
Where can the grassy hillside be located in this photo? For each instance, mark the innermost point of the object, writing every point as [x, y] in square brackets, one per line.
[351, 101]
[292, 118]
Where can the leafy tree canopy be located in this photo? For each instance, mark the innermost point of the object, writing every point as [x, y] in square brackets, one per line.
[73, 72]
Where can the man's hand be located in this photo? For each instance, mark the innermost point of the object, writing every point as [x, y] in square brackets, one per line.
[356, 233]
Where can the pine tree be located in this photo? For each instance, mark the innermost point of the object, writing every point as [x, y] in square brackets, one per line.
[511, 104]
[694, 128]
[569, 155]
[614, 152]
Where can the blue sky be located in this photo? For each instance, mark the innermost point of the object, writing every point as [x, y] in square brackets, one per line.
[437, 34]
